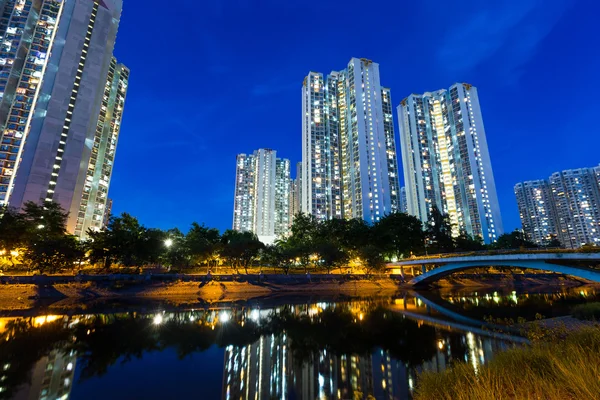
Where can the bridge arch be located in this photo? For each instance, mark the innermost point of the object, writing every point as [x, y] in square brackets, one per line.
[442, 271]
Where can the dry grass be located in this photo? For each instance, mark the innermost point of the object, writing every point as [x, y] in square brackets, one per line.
[568, 369]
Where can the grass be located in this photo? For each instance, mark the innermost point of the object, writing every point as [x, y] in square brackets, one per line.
[587, 312]
[550, 370]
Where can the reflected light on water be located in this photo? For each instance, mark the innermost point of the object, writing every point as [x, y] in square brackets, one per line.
[224, 317]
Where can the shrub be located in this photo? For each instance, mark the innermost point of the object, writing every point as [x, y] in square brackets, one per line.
[588, 311]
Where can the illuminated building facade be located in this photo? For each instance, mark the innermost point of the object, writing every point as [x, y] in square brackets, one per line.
[61, 102]
[349, 162]
[295, 194]
[403, 200]
[576, 194]
[283, 185]
[446, 160]
[262, 187]
[537, 212]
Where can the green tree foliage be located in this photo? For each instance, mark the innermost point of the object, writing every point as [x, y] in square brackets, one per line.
[279, 255]
[331, 255]
[464, 242]
[204, 244]
[126, 242]
[372, 258]
[399, 234]
[13, 233]
[48, 246]
[241, 248]
[514, 240]
[439, 232]
[177, 252]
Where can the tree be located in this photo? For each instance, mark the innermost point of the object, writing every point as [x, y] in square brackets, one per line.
[371, 258]
[48, 246]
[439, 232]
[241, 248]
[13, 233]
[464, 242]
[203, 244]
[279, 255]
[554, 243]
[176, 253]
[399, 234]
[125, 241]
[331, 255]
[47, 220]
[514, 240]
[53, 253]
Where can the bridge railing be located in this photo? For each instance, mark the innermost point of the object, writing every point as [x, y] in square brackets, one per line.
[502, 252]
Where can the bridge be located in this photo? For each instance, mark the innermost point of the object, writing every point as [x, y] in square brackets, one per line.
[437, 267]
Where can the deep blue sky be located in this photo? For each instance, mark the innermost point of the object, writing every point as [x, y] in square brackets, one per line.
[214, 78]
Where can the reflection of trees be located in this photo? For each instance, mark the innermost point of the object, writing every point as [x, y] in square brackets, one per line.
[101, 341]
[342, 332]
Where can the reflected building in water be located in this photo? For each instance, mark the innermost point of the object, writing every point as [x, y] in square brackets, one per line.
[51, 377]
[268, 369]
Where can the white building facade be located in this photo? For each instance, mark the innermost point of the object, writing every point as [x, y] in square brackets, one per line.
[537, 211]
[349, 163]
[576, 194]
[61, 103]
[262, 192]
[446, 161]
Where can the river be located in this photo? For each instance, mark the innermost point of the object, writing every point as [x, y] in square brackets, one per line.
[301, 348]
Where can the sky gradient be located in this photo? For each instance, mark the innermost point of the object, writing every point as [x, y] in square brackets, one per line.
[214, 78]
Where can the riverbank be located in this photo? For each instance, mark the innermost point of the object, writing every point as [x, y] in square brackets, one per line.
[25, 296]
[22, 293]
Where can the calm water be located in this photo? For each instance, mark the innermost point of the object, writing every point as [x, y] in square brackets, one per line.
[302, 350]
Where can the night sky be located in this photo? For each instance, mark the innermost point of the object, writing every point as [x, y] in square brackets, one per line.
[214, 78]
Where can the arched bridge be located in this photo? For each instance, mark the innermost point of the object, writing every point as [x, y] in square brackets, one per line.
[435, 268]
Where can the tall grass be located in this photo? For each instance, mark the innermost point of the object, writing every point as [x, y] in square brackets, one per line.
[567, 369]
[588, 312]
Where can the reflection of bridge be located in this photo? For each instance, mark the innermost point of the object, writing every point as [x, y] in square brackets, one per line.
[438, 316]
[435, 268]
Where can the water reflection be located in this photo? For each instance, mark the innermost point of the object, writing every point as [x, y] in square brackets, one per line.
[343, 350]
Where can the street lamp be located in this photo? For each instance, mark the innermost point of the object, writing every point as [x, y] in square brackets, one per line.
[169, 242]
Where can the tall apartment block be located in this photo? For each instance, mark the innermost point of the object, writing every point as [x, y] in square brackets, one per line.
[446, 160]
[61, 102]
[262, 187]
[403, 200]
[566, 206]
[295, 194]
[349, 162]
[537, 212]
[576, 195]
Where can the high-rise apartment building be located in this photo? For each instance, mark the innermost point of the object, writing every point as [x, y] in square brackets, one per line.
[446, 160]
[576, 194]
[403, 200]
[244, 197]
[61, 102]
[261, 203]
[537, 212]
[295, 194]
[349, 163]
[283, 185]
